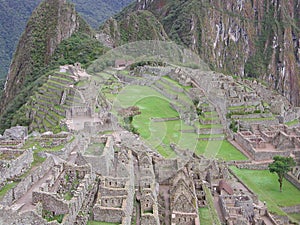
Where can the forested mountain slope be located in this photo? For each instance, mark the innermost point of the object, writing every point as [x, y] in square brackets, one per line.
[254, 39]
[15, 14]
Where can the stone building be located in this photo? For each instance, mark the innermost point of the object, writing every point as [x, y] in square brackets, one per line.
[264, 142]
[114, 201]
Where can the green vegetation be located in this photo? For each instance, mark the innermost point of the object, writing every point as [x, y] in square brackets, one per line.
[205, 216]
[220, 149]
[211, 207]
[68, 196]
[49, 216]
[80, 47]
[292, 123]
[135, 26]
[15, 14]
[265, 186]
[6, 188]
[281, 165]
[295, 216]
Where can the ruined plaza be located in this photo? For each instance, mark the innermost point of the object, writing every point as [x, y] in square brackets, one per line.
[99, 170]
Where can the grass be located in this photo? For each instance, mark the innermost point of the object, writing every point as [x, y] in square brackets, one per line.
[6, 188]
[295, 216]
[292, 123]
[209, 126]
[219, 149]
[211, 207]
[132, 94]
[161, 134]
[68, 196]
[205, 216]
[211, 135]
[241, 107]
[266, 186]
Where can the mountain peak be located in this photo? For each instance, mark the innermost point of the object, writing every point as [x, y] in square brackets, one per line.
[51, 22]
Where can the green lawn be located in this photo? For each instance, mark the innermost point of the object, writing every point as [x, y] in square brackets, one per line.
[132, 94]
[295, 216]
[219, 149]
[205, 216]
[166, 132]
[266, 186]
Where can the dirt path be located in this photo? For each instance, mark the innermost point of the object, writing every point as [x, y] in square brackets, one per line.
[164, 190]
[26, 200]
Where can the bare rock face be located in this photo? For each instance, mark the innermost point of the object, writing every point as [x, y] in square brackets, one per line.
[254, 38]
[16, 133]
[51, 23]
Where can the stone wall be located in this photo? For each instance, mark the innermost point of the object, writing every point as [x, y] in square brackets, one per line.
[253, 196]
[8, 216]
[258, 155]
[251, 166]
[16, 167]
[50, 202]
[26, 183]
[292, 209]
[103, 164]
[113, 215]
[293, 180]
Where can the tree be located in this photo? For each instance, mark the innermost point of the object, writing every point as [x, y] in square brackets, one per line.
[281, 165]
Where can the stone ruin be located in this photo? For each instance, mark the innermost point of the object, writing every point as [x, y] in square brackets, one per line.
[76, 70]
[14, 161]
[118, 178]
[264, 142]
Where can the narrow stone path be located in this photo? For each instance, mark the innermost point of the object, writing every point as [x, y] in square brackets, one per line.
[26, 200]
[165, 192]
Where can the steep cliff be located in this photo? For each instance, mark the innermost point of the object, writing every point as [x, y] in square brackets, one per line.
[249, 38]
[15, 14]
[51, 23]
[132, 26]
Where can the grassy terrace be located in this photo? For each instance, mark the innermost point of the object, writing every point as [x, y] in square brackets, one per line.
[292, 123]
[266, 186]
[6, 188]
[160, 135]
[241, 107]
[205, 216]
[220, 149]
[209, 126]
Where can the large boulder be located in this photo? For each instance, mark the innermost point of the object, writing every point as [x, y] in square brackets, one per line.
[16, 133]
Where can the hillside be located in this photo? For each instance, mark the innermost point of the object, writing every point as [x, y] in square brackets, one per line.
[15, 14]
[137, 26]
[42, 48]
[252, 39]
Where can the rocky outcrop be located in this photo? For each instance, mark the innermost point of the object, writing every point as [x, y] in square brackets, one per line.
[252, 38]
[135, 26]
[51, 23]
